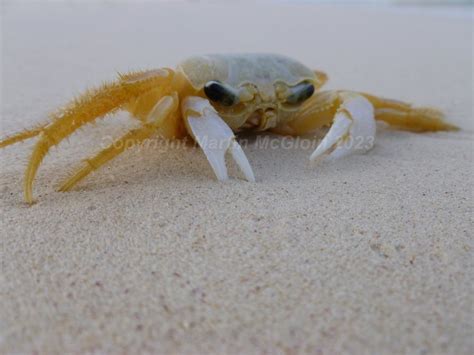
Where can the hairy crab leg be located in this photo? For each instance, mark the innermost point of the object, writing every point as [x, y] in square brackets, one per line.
[214, 137]
[90, 106]
[21, 136]
[404, 116]
[161, 112]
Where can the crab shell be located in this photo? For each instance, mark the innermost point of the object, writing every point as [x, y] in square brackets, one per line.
[257, 77]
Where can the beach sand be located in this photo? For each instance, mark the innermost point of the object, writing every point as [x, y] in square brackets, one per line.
[370, 254]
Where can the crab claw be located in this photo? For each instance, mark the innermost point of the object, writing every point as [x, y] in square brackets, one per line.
[353, 129]
[214, 137]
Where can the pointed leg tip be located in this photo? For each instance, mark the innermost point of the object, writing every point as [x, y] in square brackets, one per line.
[30, 201]
[221, 178]
[314, 157]
[248, 173]
[316, 160]
[250, 179]
[62, 189]
[241, 159]
[28, 195]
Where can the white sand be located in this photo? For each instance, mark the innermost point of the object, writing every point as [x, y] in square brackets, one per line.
[372, 254]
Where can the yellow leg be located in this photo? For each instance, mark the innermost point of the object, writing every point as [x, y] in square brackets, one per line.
[160, 113]
[21, 136]
[406, 117]
[120, 145]
[90, 106]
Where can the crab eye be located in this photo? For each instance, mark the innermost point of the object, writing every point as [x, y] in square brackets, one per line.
[300, 93]
[221, 93]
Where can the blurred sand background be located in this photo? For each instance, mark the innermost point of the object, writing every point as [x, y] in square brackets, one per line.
[372, 254]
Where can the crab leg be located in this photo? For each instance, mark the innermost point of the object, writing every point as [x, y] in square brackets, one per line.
[21, 136]
[404, 116]
[214, 137]
[162, 110]
[93, 104]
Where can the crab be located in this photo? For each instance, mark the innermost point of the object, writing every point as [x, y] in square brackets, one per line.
[211, 98]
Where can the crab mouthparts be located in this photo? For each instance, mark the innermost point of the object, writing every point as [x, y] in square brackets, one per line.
[261, 119]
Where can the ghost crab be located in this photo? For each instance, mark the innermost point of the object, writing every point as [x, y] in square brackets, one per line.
[214, 96]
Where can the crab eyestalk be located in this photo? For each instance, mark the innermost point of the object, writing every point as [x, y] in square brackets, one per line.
[299, 93]
[221, 93]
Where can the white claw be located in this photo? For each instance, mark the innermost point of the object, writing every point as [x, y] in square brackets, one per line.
[353, 129]
[241, 160]
[214, 137]
[338, 130]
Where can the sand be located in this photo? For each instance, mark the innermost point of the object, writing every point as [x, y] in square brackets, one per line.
[371, 254]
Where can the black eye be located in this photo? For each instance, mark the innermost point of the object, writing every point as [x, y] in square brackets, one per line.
[300, 93]
[221, 93]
